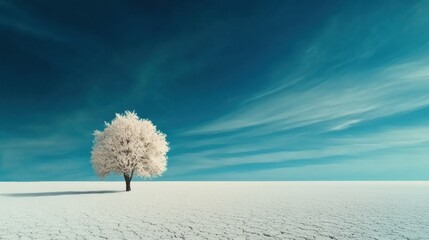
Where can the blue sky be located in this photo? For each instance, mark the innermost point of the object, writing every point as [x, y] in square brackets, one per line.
[261, 90]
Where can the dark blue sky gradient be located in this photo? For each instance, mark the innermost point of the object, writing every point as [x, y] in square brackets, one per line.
[255, 90]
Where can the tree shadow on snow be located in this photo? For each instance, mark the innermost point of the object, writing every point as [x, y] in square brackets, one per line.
[47, 194]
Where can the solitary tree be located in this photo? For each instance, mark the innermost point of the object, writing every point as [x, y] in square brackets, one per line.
[130, 146]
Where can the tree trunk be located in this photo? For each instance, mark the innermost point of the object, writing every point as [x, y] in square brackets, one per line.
[127, 182]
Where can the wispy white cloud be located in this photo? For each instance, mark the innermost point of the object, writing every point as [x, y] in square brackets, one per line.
[354, 71]
[406, 165]
[334, 87]
[18, 152]
[356, 146]
[389, 91]
[19, 20]
[345, 125]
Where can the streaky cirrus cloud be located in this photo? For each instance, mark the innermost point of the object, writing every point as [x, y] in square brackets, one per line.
[359, 71]
[335, 87]
[359, 146]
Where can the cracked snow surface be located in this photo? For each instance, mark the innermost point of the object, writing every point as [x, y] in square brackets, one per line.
[214, 210]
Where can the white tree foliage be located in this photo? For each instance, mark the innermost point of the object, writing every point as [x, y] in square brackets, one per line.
[130, 146]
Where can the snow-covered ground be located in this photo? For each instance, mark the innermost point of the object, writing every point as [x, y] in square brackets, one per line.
[214, 210]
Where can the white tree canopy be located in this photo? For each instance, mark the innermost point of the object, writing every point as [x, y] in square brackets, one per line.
[130, 146]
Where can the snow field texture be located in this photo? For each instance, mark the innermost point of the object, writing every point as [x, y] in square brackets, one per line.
[214, 210]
